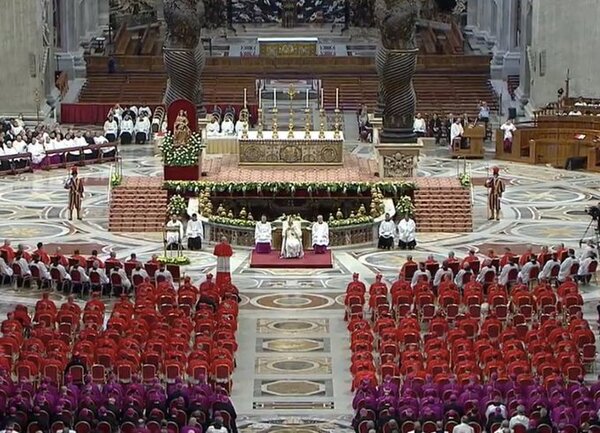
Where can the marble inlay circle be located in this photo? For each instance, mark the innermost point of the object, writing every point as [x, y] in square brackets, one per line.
[37, 230]
[293, 345]
[532, 195]
[559, 231]
[292, 365]
[292, 301]
[293, 325]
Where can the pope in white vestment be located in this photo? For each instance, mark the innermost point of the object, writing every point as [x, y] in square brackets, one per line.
[407, 233]
[291, 241]
[174, 233]
[320, 235]
[263, 236]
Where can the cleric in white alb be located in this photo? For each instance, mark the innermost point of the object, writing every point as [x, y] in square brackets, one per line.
[320, 235]
[194, 233]
[174, 233]
[407, 230]
[263, 236]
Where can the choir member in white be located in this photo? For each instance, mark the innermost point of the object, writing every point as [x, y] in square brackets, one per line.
[263, 236]
[442, 274]
[529, 269]
[142, 129]
[117, 269]
[407, 230]
[194, 233]
[550, 264]
[111, 128]
[320, 235]
[566, 265]
[421, 274]
[486, 269]
[456, 133]
[127, 126]
[37, 150]
[228, 127]
[585, 268]
[213, 129]
[291, 239]
[174, 233]
[419, 126]
[387, 231]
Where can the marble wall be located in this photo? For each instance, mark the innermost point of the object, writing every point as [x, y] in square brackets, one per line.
[23, 55]
[565, 36]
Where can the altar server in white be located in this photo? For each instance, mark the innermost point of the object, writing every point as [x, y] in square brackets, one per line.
[126, 134]
[291, 239]
[142, 129]
[111, 128]
[263, 236]
[194, 233]
[36, 148]
[387, 230]
[227, 127]
[213, 129]
[407, 230]
[320, 235]
[174, 233]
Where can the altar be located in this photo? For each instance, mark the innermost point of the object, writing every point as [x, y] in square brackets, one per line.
[287, 47]
[297, 150]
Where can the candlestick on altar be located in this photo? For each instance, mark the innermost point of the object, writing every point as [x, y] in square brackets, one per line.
[336, 124]
[291, 93]
[306, 98]
[307, 123]
[337, 98]
[259, 132]
[322, 121]
[274, 126]
[245, 117]
[274, 98]
[260, 99]
[245, 99]
[322, 98]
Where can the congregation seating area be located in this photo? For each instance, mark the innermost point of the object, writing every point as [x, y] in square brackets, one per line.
[461, 346]
[156, 360]
[131, 88]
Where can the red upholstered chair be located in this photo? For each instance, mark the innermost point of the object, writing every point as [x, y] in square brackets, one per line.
[129, 427]
[83, 427]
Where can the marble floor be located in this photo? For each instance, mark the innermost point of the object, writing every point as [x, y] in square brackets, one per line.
[293, 358]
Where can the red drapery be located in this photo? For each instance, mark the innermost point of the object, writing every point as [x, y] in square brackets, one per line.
[87, 113]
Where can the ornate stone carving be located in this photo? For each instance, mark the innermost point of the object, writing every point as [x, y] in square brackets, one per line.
[396, 63]
[398, 165]
[183, 53]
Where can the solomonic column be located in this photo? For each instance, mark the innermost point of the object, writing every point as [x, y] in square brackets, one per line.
[183, 52]
[396, 63]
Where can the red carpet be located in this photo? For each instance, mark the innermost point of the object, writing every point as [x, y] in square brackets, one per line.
[310, 260]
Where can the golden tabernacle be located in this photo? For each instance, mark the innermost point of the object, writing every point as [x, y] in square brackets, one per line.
[295, 148]
[287, 47]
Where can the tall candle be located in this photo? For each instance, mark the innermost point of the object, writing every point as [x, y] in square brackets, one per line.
[245, 97]
[306, 98]
[337, 98]
[322, 102]
[259, 98]
[274, 98]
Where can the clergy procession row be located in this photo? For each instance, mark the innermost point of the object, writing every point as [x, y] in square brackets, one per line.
[77, 272]
[560, 265]
[128, 124]
[41, 142]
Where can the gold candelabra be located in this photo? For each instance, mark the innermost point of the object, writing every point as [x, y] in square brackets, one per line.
[336, 123]
[322, 123]
[307, 123]
[291, 93]
[274, 126]
[259, 132]
[245, 118]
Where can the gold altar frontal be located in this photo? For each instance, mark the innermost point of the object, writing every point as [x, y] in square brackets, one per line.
[287, 47]
[297, 150]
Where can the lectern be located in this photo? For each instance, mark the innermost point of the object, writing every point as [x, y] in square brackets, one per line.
[472, 144]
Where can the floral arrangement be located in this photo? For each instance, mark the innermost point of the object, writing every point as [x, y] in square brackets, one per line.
[177, 205]
[464, 179]
[405, 206]
[180, 261]
[360, 219]
[275, 187]
[238, 222]
[181, 156]
[116, 179]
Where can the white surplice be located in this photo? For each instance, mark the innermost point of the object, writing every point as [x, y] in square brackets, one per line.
[195, 229]
[407, 230]
[263, 233]
[387, 229]
[227, 127]
[291, 242]
[213, 129]
[174, 236]
[320, 234]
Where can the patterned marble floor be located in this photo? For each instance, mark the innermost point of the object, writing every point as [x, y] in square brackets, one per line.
[293, 357]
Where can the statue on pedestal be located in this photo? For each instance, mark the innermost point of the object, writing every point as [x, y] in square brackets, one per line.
[396, 63]
[183, 51]
[181, 129]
